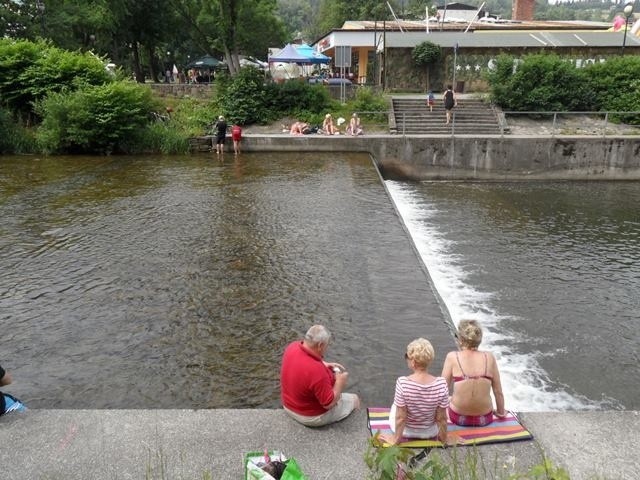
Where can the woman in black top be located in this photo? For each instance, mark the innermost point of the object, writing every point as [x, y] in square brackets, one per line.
[449, 102]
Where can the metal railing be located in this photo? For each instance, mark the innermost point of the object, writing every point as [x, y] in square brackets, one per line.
[554, 123]
[525, 123]
[570, 123]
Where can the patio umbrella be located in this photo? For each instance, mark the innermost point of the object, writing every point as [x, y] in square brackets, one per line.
[204, 62]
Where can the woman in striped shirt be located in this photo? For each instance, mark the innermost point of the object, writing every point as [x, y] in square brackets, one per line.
[420, 401]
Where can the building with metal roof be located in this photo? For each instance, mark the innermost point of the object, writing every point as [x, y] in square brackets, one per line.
[380, 52]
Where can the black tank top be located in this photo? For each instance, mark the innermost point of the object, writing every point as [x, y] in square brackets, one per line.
[448, 99]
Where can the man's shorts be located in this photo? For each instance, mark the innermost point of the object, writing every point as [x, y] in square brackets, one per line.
[340, 411]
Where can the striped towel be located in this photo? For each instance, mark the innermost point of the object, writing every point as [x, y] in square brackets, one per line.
[506, 429]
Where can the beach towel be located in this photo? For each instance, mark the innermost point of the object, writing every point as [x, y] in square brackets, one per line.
[506, 429]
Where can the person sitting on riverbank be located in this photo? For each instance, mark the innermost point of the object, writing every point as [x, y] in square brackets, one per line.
[420, 400]
[311, 389]
[354, 128]
[8, 403]
[328, 127]
[299, 128]
[472, 375]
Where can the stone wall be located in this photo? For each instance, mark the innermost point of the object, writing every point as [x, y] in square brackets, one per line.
[180, 90]
[477, 158]
[473, 63]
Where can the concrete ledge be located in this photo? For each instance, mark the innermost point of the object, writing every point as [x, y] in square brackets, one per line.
[136, 444]
[471, 157]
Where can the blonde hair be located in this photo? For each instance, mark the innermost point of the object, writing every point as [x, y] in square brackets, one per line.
[421, 352]
[469, 333]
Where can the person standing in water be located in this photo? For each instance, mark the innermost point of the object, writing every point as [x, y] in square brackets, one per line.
[220, 131]
[236, 136]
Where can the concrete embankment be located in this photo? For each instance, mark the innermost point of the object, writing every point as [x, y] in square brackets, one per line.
[191, 444]
[422, 157]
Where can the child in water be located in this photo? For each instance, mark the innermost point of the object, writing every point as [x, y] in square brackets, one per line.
[236, 136]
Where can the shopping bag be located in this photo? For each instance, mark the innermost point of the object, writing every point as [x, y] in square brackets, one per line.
[255, 461]
[293, 471]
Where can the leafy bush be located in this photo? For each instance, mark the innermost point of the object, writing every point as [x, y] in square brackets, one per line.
[616, 86]
[541, 82]
[98, 119]
[243, 100]
[368, 101]
[29, 71]
[246, 99]
[300, 98]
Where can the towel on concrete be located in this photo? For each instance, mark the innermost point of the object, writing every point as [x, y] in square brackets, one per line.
[506, 429]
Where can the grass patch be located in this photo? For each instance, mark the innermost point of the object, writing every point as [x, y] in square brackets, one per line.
[465, 463]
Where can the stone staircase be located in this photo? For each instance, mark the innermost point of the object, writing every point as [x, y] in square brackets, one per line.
[471, 117]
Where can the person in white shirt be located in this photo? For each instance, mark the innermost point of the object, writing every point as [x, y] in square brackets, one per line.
[420, 400]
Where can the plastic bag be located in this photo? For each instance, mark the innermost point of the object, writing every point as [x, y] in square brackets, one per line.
[254, 461]
[293, 472]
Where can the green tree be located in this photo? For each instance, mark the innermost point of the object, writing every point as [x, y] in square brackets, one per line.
[142, 28]
[20, 20]
[260, 22]
[77, 24]
[297, 16]
[416, 9]
[232, 26]
[426, 54]
[333, 13]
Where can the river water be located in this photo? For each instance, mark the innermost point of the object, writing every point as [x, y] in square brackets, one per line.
[158, 282]
[552, 270]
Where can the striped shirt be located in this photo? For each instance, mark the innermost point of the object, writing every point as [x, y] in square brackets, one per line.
[421, 400]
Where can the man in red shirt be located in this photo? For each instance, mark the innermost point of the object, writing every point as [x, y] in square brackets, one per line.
[312, 389]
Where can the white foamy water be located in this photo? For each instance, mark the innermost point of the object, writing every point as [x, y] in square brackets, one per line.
[525, 384]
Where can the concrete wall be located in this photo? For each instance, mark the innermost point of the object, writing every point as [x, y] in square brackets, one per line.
[477, 158]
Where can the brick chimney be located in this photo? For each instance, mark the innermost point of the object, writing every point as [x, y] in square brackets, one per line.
[523, 10]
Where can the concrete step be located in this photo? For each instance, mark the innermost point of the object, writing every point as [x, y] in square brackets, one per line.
[471, 116]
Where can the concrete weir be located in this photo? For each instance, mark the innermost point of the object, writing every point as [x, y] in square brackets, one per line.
[422, 157]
